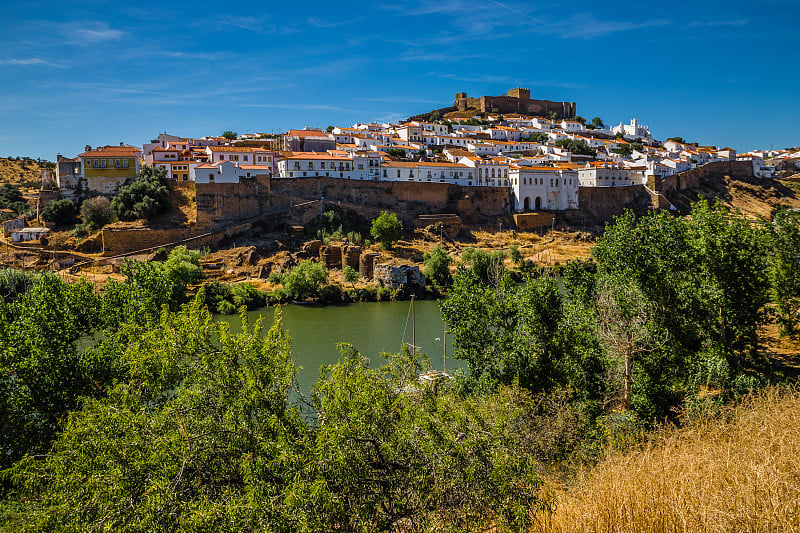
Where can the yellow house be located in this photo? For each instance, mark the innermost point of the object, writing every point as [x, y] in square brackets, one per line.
[106, 168]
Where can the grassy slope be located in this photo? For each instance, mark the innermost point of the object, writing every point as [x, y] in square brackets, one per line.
[26, 173]
[740, 475]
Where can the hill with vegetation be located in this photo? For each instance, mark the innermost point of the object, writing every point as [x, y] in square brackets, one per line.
[23, 172]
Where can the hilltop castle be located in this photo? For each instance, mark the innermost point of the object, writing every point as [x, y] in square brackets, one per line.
[517, 100]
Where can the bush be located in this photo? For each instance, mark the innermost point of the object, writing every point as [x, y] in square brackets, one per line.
[183, 265]
[96, 212]
[330, 294]
[386, 229]
[350, 275]
[437, 268]
[275, 277]
[214, 294]
[383, 294]
[59, 212]
[305, 280]
[246, 294]
[226, 308]
[14, 282]
[146, 197]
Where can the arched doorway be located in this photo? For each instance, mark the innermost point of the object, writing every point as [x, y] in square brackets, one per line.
[526, 204]
[538, 203]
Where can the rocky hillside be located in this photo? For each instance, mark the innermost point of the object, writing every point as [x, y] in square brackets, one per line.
[26, 173]
[752, 196]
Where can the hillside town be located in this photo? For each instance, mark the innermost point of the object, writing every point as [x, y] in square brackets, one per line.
[541, 160]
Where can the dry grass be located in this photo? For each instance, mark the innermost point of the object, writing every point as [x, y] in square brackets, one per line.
[742, 475]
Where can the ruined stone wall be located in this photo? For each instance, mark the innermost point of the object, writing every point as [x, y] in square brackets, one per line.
[232, 201]
[695, 177]
[532, 221]
[104, 185]
[599, 205]
[407, 199]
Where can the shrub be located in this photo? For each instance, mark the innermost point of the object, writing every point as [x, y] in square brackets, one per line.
[350, 275]
[330, 294]
[96, 212]
[275, 277]
[437, 268]
[246, 294]
[386, 228]
[59, 212]
[226, 308]
[305, 280]
[183, 265]
[146, 197]
[384, 294]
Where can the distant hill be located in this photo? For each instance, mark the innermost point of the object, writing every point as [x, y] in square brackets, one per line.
[25, 173]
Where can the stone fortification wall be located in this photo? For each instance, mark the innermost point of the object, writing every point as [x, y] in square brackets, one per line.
[599, 205]
[696, 176]
[533, 221]
[407, 199]
[232, 201]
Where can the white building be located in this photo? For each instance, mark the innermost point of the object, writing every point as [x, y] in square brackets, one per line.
[318, 164]
[227, 172]
[608, 174]
[633, 130]
[535, 188]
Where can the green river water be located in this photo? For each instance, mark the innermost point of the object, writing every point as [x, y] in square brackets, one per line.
[371, 327]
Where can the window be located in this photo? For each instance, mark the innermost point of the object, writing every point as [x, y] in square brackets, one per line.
[310, 165]
[322, 164]
[185, 177]
[103, 163]
[222, 157]
[124, 163]
[117, 163]
[211, 176]
[244, 158]
[96, 163]
[361, 166]
[175, 176]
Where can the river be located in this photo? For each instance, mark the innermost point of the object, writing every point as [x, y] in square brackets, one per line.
[371, 327]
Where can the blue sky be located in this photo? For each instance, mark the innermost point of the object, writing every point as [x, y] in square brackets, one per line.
[96, 72]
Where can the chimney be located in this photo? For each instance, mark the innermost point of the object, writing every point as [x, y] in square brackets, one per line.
[121, 143]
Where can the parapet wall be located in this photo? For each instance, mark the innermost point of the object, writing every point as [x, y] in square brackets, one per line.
[232, 201]
[408, 199]
[599, 205]
[695, 177]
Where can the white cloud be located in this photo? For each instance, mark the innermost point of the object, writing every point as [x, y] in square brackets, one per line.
[32, 61]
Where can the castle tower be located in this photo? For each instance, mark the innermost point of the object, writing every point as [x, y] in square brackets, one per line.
[519, 92]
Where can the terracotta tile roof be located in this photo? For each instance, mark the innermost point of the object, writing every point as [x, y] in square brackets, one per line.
[112, 151]
[240, 149]
[306, 133]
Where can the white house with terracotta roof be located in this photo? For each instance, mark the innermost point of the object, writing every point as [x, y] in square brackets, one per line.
[608, 174]
[536, 188]
[227, 172]
[317, 164]
[427, 172]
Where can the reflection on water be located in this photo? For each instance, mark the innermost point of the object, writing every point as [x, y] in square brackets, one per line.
[371, 327]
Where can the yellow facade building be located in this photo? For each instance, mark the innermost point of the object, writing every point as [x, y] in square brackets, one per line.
[106, 168]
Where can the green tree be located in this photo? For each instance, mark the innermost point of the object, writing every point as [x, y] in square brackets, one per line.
[96, 212]
[576, 146]
[42, 372]
[350, 275]
[624, 150]
[11, 198]
[230, 135]
[396, 152]
[677, 140]
[200, 437]
[329, 129]
[183, 265]
[437, 268]
[526, 334]
[515, 255]
[386, 229]
[580, 119]
[59, 212]
[597, 122]
[147, 196]
[386, 458]
[305, 280]
[784, 269]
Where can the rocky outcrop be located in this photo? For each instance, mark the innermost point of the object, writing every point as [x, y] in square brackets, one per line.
[404, 279]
